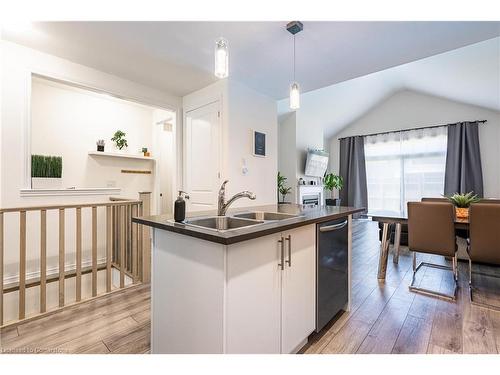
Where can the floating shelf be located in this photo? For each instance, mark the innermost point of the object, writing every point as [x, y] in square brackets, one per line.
[117, 155]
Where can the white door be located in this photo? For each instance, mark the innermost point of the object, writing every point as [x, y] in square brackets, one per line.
[202, 156]
[298, 287]
[253, 296]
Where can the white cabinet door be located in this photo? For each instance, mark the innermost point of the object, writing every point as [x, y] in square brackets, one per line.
[253, 296]
[202, 156]
[299, 287]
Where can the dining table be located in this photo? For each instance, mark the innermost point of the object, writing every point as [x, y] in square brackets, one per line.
[398, 221]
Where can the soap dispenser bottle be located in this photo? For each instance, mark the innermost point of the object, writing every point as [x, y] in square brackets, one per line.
[180, 207]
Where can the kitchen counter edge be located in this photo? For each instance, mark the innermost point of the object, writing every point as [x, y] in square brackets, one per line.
[312, 216]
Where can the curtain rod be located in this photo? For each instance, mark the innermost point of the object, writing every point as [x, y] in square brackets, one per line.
[420, 128]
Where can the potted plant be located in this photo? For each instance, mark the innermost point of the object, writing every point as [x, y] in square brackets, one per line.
[46, 172]
[119, 139]
[462, 203]
[282, 189]
[145, 152]
[100, 145]
[330, 182]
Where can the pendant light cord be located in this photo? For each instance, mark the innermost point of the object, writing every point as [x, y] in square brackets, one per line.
[293, 57]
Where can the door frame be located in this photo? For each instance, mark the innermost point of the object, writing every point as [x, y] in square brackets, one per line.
[157, 145]
[200, 104]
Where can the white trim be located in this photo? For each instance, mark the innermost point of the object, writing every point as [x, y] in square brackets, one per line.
[27, 130]
[50, 271]
[68, 192]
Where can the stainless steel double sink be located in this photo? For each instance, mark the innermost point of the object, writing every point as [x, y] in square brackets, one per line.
[237, 221]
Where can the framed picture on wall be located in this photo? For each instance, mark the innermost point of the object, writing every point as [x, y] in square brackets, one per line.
[259, 144]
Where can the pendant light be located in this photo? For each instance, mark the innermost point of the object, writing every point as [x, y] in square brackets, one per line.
[293, 28]
[221, 58]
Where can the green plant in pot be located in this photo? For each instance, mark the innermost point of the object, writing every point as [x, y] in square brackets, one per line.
[332, 182]
[282, 189]
[46, 172]
[119, 139]
[462, 203]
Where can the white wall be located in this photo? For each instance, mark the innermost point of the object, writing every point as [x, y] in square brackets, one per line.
[248, 111]
[67, 121]
[297, 134]
[17, 65]
[408, 109]
[309, 136]
[287, 152]
[243, 110]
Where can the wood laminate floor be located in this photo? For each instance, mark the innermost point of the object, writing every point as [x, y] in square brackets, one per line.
[388, 318]
[385, 317]
[117, 323]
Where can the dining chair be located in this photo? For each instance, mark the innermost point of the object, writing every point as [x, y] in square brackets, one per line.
[484, 241]
[431, 230]
[462, 233]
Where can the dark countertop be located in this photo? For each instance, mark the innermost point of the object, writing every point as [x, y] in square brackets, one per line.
[309, 215]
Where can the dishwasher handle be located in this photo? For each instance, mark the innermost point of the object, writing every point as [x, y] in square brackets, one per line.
[330, 228]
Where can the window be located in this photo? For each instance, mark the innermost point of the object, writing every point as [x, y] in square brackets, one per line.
[404, 166]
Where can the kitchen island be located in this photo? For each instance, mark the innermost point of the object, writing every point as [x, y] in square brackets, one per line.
[248, 288]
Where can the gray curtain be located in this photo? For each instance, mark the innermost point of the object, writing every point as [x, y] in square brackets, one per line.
[463, 160]
[353, 171]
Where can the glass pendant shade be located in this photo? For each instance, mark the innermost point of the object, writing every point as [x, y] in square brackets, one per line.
[294, 96]
[221, 59]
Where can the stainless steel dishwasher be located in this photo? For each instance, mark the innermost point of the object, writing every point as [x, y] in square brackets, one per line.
[331, 270]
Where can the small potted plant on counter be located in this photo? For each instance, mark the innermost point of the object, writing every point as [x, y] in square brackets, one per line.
[100, 145]
[119, 139]
[145, 152]
[462, 203]
[331, 182]
[282, 189]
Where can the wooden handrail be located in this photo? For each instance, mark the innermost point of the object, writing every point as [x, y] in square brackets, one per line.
[145, 235]
[69, 206]
[132, 258]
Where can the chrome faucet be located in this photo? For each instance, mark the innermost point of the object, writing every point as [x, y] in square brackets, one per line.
[223, 205]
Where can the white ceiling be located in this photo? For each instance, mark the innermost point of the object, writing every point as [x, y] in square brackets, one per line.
[178, 56]
[468, 75]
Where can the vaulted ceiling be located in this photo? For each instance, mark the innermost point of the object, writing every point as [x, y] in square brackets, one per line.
[468, 75]
[178, 56]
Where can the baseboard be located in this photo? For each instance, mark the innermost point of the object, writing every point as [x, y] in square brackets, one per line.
[13, 279]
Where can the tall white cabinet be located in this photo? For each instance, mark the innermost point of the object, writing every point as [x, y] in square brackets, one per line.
[259, 294]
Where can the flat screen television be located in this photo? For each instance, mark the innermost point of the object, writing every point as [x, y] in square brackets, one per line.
[316, 163]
